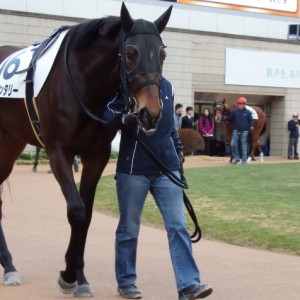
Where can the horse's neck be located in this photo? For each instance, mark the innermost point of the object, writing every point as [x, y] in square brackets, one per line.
[229, 108]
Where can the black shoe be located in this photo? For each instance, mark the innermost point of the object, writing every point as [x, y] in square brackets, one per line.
[296, 157]
[290, 157]
[195, 292]
[130, 292]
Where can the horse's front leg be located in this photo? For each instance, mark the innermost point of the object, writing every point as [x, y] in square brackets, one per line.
[91, 172]
[73, 275]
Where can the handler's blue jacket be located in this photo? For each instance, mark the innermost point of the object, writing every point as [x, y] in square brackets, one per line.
[164, 142]
[242, 119]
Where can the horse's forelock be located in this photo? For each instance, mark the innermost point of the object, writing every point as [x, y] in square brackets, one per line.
[82, 35]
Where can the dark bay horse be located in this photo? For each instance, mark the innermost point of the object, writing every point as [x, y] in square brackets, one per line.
[94, 59]
[224, 108]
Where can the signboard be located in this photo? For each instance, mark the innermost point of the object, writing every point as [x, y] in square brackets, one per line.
[262, 68]
[277, 7]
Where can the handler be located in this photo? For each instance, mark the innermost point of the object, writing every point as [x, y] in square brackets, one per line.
[136, 175]
[243, 123]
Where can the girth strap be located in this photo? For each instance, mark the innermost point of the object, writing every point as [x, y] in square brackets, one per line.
[32, 111]
[29, 100]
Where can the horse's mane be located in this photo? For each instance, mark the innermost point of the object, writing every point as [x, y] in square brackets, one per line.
[81, 35]
[229, 106]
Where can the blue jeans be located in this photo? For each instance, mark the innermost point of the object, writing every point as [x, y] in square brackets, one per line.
[132, 191]
[242, 138]
[293, 147]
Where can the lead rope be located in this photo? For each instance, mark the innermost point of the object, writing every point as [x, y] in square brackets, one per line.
[178, 181]
[181, 182]
[86, 110]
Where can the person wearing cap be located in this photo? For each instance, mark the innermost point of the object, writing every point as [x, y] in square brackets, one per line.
[293, 126]
[243, 124]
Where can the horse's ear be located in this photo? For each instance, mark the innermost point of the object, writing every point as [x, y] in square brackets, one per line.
[163, 20]
[126, 20]
[223, 100]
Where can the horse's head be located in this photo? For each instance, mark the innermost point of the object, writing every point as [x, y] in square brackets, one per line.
[219, 110]
[142, 60]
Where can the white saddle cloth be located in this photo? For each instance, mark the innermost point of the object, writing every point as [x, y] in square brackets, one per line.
[12, 79]
[253, 112]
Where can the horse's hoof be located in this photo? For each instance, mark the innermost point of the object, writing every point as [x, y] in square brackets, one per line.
[83, 291]
[65, 287]
[12, 279]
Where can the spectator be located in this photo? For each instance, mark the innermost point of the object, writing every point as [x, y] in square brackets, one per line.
[188, 120]
[293, 127]
[206, 127]
[178, 116]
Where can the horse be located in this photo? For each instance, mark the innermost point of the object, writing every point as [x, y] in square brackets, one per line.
[224, 108]
[94, 59]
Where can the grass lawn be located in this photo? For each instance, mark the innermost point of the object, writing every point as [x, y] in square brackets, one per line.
[257, 205]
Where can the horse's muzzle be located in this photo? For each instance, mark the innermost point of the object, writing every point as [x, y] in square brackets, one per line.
[147, 122]
[218, 119]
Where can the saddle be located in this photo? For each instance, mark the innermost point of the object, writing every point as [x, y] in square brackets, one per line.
[29, 100]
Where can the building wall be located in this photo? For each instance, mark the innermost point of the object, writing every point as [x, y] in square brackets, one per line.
[21, 29]
[192, 17]
[195, 63]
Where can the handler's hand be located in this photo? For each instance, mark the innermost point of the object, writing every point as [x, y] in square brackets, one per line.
[130, 121]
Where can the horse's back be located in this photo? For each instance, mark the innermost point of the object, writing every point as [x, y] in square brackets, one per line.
[259, 112]
[5, 51]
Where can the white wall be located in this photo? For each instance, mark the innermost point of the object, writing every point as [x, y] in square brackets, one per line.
[184, 16]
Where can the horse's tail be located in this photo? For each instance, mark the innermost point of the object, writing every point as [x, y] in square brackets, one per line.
[263, 130]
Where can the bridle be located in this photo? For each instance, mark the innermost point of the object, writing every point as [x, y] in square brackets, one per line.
[128, 76]
[220, 108]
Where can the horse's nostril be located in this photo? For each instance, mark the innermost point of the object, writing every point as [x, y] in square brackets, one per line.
[146, 120]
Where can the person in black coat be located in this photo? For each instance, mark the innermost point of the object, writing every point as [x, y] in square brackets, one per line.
[188, 120]
[293, 126]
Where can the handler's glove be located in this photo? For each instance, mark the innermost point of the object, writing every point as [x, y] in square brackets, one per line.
[130, 121]
[181, 159]
[180, 156]
[251, 129]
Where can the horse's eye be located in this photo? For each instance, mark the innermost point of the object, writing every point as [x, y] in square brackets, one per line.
[162, 55]
[132, 57]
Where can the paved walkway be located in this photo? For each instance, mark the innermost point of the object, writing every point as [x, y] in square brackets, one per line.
[38, 232]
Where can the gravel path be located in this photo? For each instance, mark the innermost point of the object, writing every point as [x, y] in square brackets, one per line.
[37, 232]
